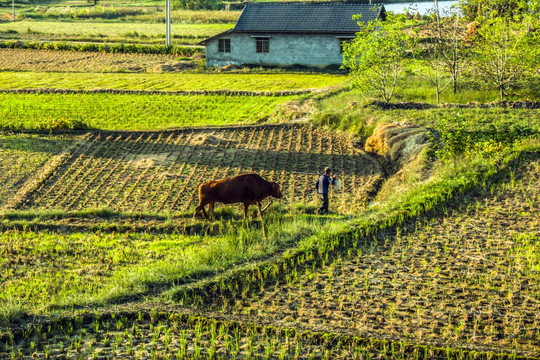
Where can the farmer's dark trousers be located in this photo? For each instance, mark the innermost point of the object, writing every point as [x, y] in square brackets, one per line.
[324, 208]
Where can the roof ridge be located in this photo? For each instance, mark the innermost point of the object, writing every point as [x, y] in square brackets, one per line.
[306, 17]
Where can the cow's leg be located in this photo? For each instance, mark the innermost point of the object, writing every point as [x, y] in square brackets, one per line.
[260, 210]
[211, 211]
[200, 208]
[196, 212]
[246, 206]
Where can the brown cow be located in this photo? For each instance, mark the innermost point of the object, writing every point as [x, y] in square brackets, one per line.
[247, 189]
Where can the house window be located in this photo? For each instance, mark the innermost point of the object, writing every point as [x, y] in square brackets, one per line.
[224, 45]
[263, 45]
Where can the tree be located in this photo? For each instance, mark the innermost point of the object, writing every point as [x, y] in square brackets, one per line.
[432, 67]
[493, 8]
[376, 55]
[506, 51]
[442, 54]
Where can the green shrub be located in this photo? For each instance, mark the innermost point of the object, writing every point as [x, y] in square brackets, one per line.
[92, 47]
[61, 123]
[327, 118]
[341, 120]
[456, 140]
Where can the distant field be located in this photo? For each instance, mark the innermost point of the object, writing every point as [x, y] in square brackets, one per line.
[132, 112]
[109, 31]
[170, 81]
[70, 61]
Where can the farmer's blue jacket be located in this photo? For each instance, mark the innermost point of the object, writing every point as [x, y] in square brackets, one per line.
[322, 184]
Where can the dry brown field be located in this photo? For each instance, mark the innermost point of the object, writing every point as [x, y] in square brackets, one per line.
[160, 171]
[71, 61]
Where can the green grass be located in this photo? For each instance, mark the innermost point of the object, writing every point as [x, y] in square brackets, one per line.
[130, 112]
[470, 89]
[351, 111]
[109, 31]
[45, 269]
[173, 82]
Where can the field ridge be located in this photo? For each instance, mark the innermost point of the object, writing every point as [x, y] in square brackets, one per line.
[168, 92]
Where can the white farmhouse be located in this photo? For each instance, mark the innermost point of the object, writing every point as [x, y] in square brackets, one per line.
[289, 34]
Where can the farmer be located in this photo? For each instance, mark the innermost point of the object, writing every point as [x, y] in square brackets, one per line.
[322, 184]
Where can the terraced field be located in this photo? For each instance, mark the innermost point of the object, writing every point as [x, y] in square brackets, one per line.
[470, 279]
[463, 284]
[124, 31]
[160, 171]
[38, 111]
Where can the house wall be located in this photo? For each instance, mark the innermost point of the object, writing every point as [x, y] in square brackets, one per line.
[285, 49]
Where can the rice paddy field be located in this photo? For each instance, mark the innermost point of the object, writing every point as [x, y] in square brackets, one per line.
[429, 251]
[463, 284]
[132, 112]
[271, 82]
[33, 100]
[95, 31]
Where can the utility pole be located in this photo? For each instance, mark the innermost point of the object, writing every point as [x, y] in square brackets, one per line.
[13, 8]
[168, 21]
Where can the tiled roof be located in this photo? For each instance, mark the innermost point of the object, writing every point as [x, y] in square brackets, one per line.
[305, 17]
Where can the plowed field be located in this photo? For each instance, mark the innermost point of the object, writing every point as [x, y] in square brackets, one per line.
[39, 60]
[160, 171]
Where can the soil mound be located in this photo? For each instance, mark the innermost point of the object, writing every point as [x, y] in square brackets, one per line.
[209, 140]
[173, 67]
[150, 160]
[295, 109]
[398, 143]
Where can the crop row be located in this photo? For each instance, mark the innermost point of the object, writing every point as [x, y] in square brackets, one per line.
[157, 92]
[172, 82]
[22, 155]
[131, 112]
[170, 335]
[105, 48]
[44, 268]
[161, 171]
